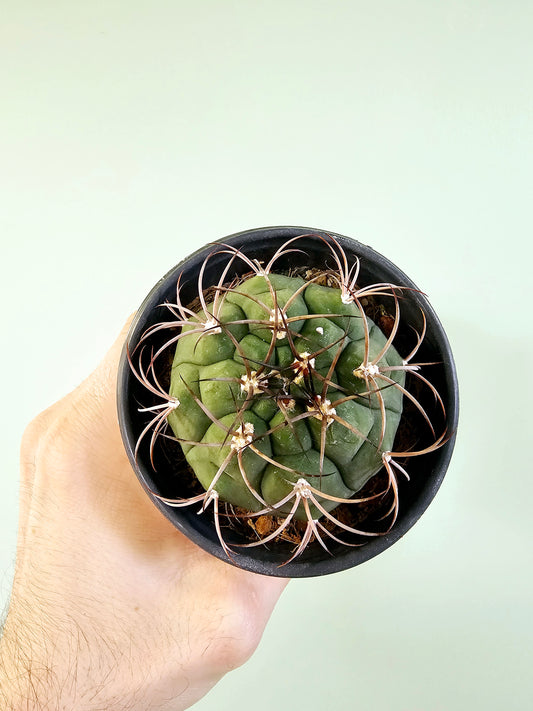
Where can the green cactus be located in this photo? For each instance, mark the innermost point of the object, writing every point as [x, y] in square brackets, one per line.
[285, 396]
[292, 386]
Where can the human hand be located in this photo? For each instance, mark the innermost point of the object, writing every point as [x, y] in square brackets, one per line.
[112, 607]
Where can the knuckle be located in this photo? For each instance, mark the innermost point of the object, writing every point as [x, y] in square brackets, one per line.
[33, 433]
[42, 437]
[31, 441]
[236, 636]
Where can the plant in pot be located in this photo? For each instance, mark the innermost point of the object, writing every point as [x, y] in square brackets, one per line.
[288, 399]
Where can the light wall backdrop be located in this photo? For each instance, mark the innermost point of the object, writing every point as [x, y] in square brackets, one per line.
[132, 133]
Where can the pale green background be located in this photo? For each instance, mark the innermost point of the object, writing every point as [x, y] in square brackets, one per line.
[134, 132]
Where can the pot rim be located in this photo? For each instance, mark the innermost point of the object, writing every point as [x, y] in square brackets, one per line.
[247, 558]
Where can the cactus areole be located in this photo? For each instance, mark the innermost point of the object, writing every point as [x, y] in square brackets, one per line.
[284, 397]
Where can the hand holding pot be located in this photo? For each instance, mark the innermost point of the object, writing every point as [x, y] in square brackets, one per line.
[112, 607]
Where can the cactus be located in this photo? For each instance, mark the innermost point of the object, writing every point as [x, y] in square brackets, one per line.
[286, 396]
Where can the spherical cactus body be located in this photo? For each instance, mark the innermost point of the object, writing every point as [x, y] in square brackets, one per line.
[275, 388]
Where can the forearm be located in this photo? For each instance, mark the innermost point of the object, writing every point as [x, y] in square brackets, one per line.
[50, 662]
[45, 666]
[39, 663]
[26, 683]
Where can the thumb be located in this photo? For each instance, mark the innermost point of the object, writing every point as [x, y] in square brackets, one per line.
[100, 385]
[93, 400]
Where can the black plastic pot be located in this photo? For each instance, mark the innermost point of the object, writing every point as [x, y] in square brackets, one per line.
[426, 472]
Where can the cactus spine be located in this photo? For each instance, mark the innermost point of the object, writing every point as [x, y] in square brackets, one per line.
[285, 396]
